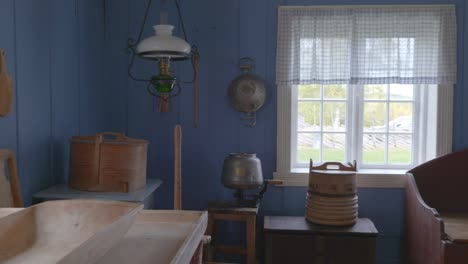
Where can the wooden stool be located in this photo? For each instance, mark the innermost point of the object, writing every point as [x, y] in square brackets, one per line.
[247, 215]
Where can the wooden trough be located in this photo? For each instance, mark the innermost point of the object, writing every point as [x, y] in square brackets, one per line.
[68, 231]
[160, 237]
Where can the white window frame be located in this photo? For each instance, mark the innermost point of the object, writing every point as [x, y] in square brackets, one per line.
[416, 134]
[381, 177]
[354, 126]
[294, 107]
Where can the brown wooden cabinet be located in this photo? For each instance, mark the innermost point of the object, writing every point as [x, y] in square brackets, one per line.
[294, 240]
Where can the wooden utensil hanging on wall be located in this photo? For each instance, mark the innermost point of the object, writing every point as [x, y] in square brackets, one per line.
[6, 87]
[178, 167]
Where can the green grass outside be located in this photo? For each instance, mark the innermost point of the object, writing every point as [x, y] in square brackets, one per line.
[369, 156]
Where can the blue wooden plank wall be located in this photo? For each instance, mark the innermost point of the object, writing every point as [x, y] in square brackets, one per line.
[68, 64]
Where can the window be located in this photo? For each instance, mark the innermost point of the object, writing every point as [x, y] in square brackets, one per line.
[321, 123]
[377, 125]
[367, 83]
[327, 123]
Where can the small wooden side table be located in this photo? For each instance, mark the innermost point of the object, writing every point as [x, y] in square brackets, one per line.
[294, 240]
[248, 215]
[145, 196]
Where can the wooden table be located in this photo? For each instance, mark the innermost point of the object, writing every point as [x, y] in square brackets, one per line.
[294, 240]
[145, 196]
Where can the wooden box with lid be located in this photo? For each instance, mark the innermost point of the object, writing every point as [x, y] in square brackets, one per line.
[108, 162]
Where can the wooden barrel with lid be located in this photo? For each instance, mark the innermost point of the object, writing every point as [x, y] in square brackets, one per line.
[332, 196]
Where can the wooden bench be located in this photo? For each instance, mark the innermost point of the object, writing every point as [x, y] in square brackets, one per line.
[456, 227]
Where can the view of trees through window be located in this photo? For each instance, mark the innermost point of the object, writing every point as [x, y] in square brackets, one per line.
[385, 123]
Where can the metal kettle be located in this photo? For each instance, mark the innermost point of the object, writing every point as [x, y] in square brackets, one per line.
[242, 171]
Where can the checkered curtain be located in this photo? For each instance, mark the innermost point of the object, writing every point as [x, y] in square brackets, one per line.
[366, 45]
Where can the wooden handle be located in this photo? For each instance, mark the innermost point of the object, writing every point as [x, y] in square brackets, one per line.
[6, 87]
[10, 157]
[177, 167]
[97, 157]
[2, 56]
[196, 88]
[274, 182]
[3, 69]
[164, 103]
[14, 181]
[118, 136]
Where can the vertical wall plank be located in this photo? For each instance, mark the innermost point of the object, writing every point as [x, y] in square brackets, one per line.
[8, 124]
[116, 59]
[269, 159]
[92, 67]
[252, 42]
[33, 79]
[64, 83]
[216, 34]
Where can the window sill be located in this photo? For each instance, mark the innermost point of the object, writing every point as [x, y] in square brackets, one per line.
[366, 178]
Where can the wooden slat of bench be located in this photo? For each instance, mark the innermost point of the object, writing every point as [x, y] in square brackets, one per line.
[456, 226]
[209, 262]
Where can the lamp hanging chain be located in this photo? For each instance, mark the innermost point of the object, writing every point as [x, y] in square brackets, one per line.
[131, 44]
[179, 13]
[195, 66]
[129, 70]
[195, 54]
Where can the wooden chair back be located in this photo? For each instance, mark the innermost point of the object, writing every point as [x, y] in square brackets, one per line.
[10, 192]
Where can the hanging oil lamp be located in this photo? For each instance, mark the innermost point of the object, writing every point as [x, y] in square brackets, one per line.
[164, 48]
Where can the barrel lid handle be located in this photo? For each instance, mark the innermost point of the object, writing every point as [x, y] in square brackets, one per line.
[333, 165]
[117, 136]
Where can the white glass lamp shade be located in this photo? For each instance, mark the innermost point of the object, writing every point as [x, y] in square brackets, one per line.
[163, 45]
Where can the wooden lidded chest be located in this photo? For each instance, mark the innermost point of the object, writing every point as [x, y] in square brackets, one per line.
[107, 162]
[290, 239]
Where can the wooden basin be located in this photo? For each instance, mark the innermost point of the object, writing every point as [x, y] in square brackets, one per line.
[68, 231]
[8, 211]
[160, 237]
